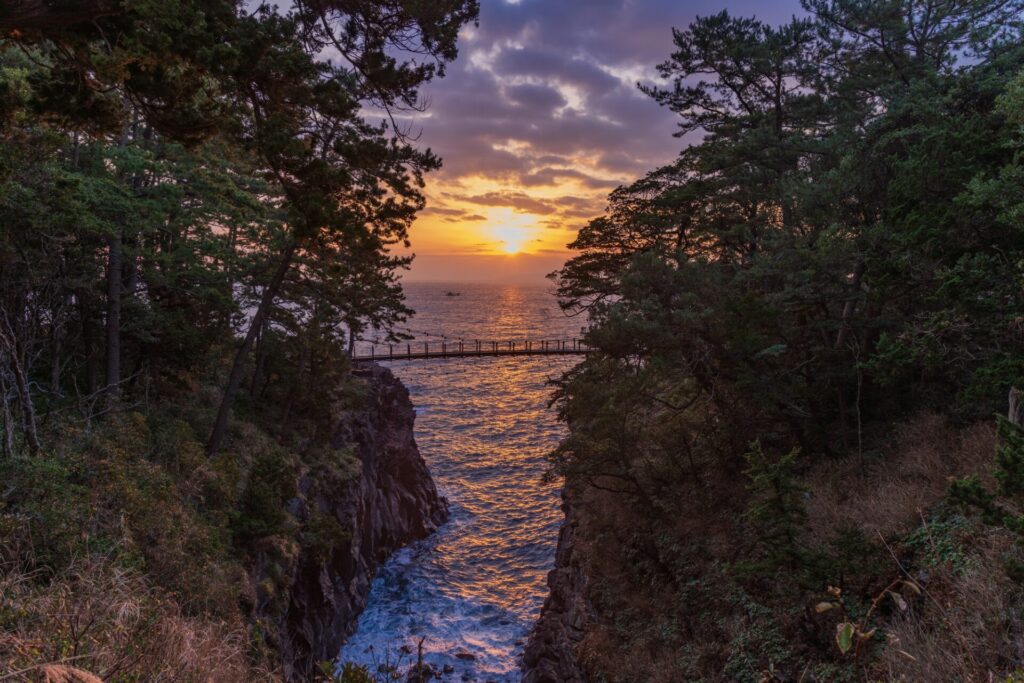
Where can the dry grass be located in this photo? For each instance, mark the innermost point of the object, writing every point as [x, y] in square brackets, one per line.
[886, 495]
[653, 628]
[970, 628]
[61, 673]
[97, 622]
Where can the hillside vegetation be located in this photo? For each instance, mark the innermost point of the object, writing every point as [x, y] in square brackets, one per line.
[784, 458]
[196, 220]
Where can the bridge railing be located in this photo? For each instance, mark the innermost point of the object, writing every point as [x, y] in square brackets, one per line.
[476, 347]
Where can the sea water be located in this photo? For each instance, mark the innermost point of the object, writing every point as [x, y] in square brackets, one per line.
[473, 590]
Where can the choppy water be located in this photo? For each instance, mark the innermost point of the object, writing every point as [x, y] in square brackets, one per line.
[475, 588]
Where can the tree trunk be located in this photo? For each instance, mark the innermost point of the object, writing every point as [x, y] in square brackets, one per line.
[55, 361]
[28, 412]
[8, 442]
[27, 409]
[850, 307]
[238, 366]
[91, 366]
[299, 384]
[114, 275]
[261, 359]
[1016, 412]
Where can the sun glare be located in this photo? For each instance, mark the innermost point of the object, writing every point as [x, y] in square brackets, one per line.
[512, 239]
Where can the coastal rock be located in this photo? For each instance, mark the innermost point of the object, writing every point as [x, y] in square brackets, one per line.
[381, 500]
[550, 654]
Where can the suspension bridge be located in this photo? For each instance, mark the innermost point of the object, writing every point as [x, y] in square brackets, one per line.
[368, 353]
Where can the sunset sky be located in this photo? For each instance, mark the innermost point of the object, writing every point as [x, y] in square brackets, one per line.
[538, 120]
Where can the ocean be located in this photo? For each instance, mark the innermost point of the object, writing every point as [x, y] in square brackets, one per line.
[473, 590]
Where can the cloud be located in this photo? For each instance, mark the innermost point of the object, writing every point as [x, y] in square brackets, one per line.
[450, 215]
[548, 176]
[537, 99]
[541, 115]
[518, 201]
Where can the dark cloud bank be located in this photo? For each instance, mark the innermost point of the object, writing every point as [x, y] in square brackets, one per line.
[544, 92]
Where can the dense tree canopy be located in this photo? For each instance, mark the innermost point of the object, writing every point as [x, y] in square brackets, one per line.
[838, 255]
[199, 202]
[836, 237]
[204, 149]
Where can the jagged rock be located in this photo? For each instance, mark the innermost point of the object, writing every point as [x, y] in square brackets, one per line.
[550, 654]
[385, 502]
[422, 675]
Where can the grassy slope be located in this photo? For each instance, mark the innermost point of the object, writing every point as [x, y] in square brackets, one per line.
[125, 550]
[685, 600]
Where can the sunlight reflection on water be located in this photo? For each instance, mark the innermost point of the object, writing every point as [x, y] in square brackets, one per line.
[483, 426]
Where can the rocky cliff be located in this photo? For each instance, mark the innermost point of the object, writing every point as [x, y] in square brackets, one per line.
[550, 654]
[373, 496]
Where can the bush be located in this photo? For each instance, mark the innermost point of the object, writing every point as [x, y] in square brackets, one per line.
[261, 511]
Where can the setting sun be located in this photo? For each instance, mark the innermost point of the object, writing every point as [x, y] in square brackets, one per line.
[511, 239]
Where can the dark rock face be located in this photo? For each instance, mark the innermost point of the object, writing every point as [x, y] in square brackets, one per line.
[382, 503]
[550, 654]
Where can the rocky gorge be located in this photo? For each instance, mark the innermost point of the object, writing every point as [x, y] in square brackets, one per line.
[550, 655]
[383, 499]
[373, 496]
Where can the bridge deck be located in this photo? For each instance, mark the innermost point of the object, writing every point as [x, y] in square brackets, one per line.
[427, 351]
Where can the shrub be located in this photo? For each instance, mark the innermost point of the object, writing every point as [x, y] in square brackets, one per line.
[261, 511]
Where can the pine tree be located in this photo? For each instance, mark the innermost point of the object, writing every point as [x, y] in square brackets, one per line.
[777, 510]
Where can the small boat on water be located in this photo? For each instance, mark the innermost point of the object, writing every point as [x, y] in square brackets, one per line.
[453, 293]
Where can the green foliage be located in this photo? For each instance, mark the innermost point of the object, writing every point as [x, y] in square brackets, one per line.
[760, 646]
[99, 493]
[1000, 507]
[842, 248]
[847, 556]
[777, 509]
[323, 534]
[261, 511]
[205, 162]
[1010, 459]
[348, 673]
[943, 542]
[182, 182]
[834, 673]
[1009, 475]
